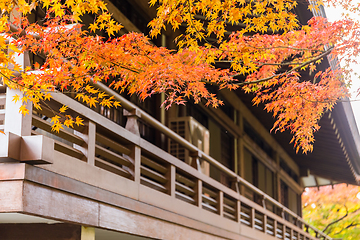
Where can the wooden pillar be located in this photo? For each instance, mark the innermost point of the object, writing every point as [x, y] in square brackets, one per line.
[241, 167]
[87, 233]
[277, 178]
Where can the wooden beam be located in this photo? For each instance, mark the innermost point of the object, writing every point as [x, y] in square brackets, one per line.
[121, 18]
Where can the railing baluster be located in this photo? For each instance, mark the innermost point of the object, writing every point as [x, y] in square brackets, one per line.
[238, 211]
[198, 190]
[264, 223]
[252, 218]
[284, 231]
[88, 147]
[220, 203]
[275, 228]
[171, 184]
[135, 157]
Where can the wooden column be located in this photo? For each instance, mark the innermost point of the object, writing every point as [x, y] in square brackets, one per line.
[241, 167]
[87, 233]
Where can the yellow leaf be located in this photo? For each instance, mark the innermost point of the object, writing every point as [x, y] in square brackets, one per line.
[69, 122]
[16, 98]
[63, 109]
[79, 121]
[55, 119]
[23, 110]
[117, 104]
[56, 127]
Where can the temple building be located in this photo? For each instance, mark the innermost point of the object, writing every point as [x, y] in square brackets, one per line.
[143, 172]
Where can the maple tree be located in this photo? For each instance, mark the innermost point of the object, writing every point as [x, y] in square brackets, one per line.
[334, 210]
[269, 54]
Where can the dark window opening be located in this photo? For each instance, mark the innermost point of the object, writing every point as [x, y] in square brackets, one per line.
[251, 132]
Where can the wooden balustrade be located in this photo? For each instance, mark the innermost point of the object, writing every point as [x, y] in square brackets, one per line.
[123, 153]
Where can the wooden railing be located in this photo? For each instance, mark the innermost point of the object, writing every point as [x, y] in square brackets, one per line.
[109, 146]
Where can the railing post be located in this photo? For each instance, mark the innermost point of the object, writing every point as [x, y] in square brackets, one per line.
[198, 193]
[132, 120]
[195, 160]
[284, 232]
[135, 159]
[252, 217]
[135, 156]
[89, 137]
[15, 122]
[91, 131]
[238, 211]
[306, 228]
[275, 228]
[220, 203]
[171, 177]
[264, 223]
[297, 235]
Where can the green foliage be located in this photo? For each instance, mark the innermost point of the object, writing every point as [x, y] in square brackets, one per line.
[334, 210]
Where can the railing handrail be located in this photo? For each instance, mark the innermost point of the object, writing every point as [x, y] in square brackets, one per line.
[174, 136]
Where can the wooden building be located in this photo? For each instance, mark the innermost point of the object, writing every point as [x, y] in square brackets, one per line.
[140, 172]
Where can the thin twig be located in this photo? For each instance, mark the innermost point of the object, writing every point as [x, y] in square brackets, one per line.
[285, 73]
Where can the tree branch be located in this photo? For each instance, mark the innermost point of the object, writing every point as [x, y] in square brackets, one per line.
[337, 220]
[287, 72]
[347, 227]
